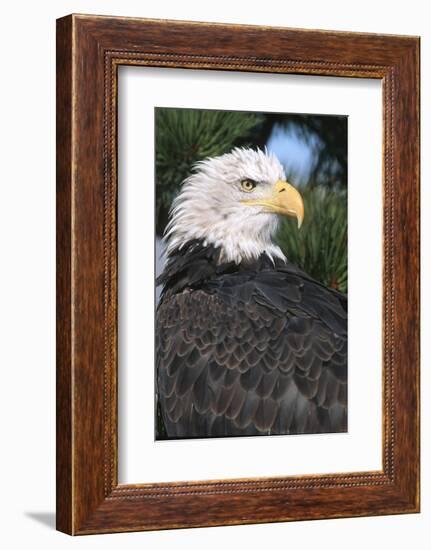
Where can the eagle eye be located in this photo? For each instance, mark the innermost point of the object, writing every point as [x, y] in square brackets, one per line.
[248, 185]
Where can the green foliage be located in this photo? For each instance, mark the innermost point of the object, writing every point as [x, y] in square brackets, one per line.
[185, 136]
[320, 246]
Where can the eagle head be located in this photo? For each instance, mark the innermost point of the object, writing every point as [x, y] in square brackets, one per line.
[234, 202]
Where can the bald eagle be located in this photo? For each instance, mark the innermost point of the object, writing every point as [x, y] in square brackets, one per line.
[246, 342]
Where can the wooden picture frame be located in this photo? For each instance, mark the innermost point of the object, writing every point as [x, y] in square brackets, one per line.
[89, 51]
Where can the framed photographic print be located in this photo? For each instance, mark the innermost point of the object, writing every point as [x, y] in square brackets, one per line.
[237, 274]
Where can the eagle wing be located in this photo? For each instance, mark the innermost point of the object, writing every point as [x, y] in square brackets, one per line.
[252, 354]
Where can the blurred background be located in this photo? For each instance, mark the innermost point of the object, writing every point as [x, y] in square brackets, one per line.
[313, 151]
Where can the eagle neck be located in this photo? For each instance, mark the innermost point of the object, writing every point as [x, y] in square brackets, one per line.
[196, 263]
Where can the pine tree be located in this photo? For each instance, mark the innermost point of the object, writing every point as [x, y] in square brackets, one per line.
[185, 136]
[320, 246]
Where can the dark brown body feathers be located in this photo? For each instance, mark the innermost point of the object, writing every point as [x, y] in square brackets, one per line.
[248, 350]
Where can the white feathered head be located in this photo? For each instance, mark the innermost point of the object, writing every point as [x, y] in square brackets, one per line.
[234, 202]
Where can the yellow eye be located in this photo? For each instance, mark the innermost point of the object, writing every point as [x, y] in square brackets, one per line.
[248, 185]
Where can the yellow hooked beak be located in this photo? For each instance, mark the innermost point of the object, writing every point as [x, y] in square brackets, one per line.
[284, 199]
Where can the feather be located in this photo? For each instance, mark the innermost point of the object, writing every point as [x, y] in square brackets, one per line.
[250, 379]
[248, 349]
[266, 385]
[247, 411]
[201, 393]
[265, 414]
